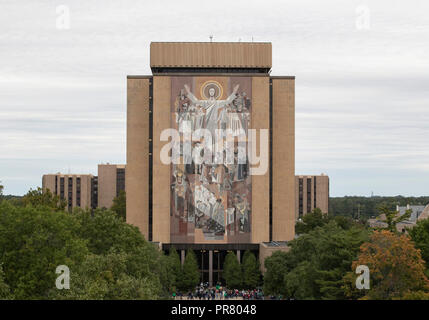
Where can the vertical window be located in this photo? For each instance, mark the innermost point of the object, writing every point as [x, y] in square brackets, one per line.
[94, 192]
[120, 180]
[78, 189]
[315, 193]
[70, 193]
[308, 195]
[62, 188]
[301, 198]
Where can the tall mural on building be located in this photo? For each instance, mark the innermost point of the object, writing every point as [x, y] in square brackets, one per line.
[210, 184]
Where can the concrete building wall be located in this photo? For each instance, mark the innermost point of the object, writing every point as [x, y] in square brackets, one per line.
[86, 191]
[315, 194]
[322, 193]
[53, 183]
[260, 183]
[161, 172]
[137, 173]
[266, 251]
[211, 54]
[108, 184]
[48, 182]
[283, 174]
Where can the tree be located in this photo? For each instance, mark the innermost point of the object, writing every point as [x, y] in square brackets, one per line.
[393, 217]
[105, 230]
[416, 295]
[344, 222]
[120, 205]
[232, 272]
[40, 198]
[314, 266]
[5, 293]
[109, 277]
[107, 258]
[277, 265]
[105, 233]
[324, 255]
[33, 242]
[310, 221]
[251, 272]
[300, 283]
[190, 275]
[396, 267]
[420, 235]
[175, 266]
[367, 207]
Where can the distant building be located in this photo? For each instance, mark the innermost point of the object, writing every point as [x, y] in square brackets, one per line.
[86, 190]
[77, 189]
[311, 192]
[418, 212]
[111, 181]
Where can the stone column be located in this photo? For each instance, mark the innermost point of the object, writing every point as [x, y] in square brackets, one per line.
[210, 268]
[238, 256]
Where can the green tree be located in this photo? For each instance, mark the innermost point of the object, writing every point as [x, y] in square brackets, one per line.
[420, 235]
[393, 217]
[314, 266]
[5, 293]
[326, 253]
[107, 258]
[175, 266]
[33, 242]
[105, 230]
[301, 282]
[120, 205]
[251, 272]
[40, 198]
[190, 275]
[109, 277]
[310, 221]
[344, 222]
[232, 272]
[363, 208]
[276, 265]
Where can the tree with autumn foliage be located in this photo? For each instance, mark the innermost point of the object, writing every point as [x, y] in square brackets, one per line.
[396, 269]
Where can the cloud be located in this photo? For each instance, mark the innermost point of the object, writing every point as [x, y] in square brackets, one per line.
[361, 95]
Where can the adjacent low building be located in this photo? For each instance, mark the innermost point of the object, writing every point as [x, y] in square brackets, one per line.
[86, 190]
[111, 181]
[77, 189]
[311, 191]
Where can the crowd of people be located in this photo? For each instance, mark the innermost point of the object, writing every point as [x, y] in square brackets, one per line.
[205, 292]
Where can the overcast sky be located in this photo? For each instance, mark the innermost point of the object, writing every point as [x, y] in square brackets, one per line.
[361, 67]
